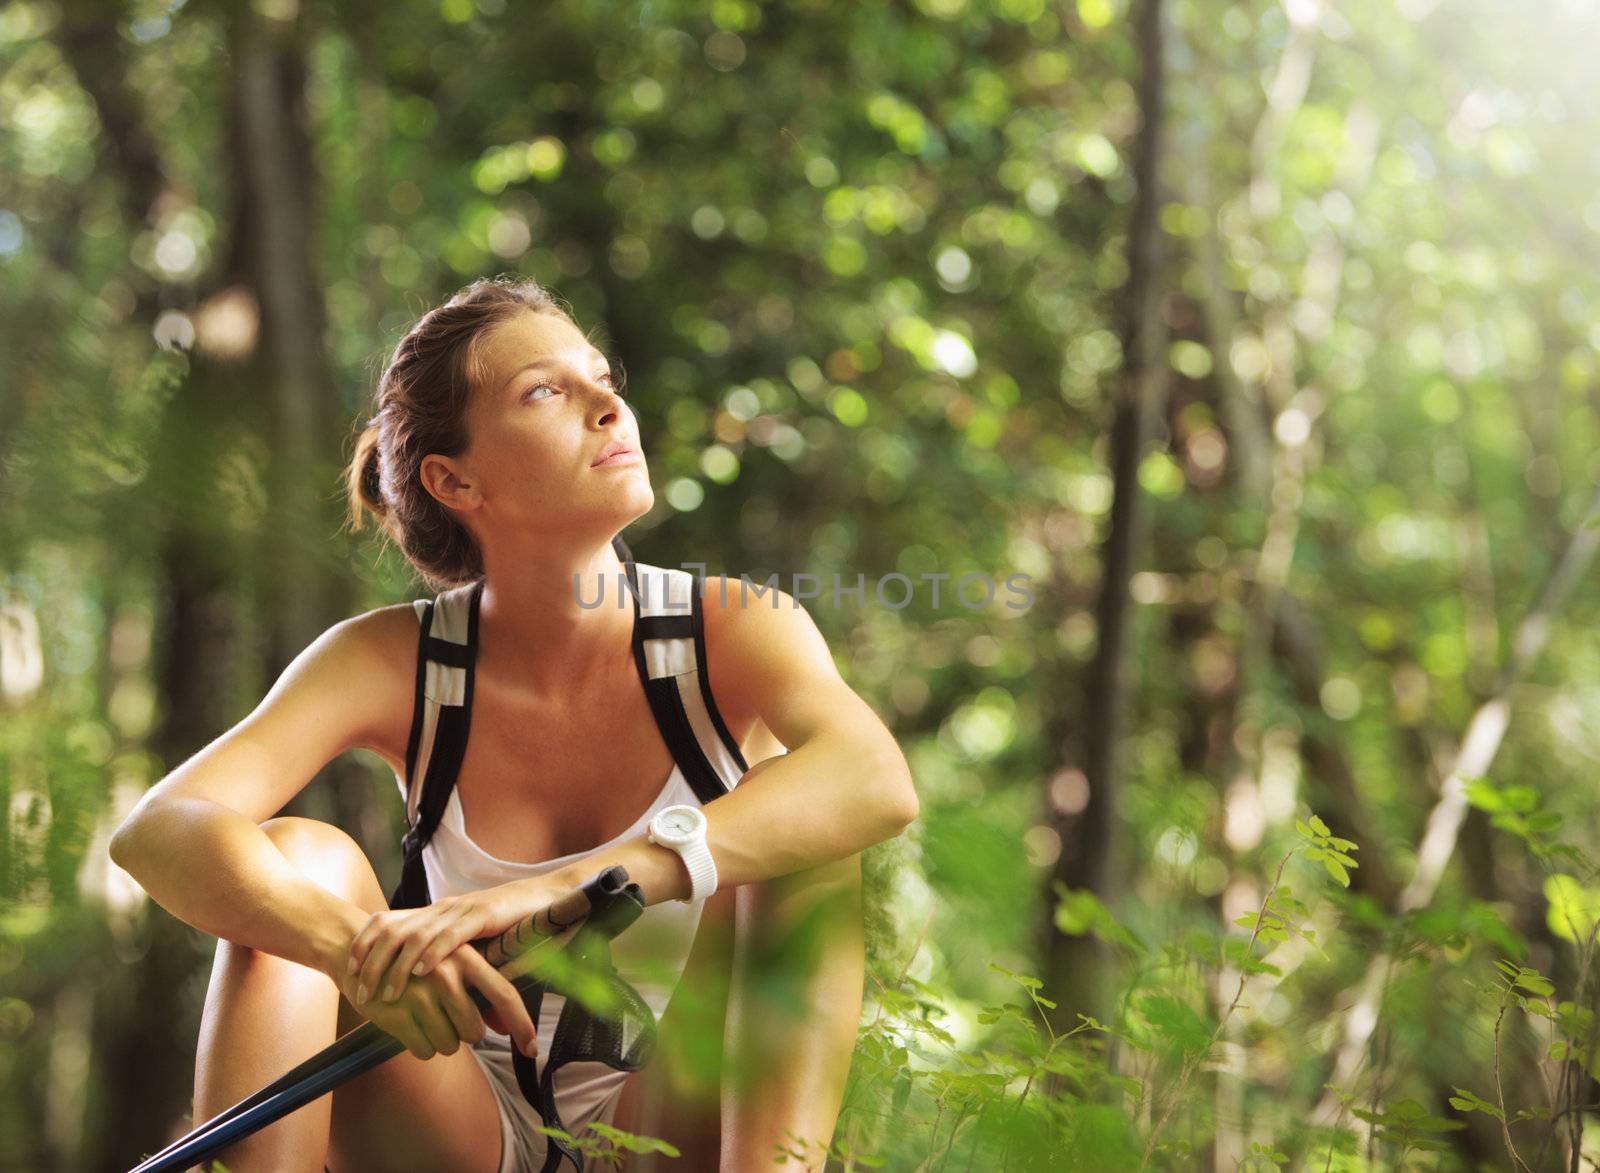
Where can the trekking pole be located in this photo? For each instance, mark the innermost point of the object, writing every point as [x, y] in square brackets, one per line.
[368, 1045]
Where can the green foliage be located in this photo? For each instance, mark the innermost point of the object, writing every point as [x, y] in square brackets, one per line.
[814, 1155]
[1407, 1125]
[868, 267]
[1263, 1158]
[609, 1145]
[1573, 908]
[1333, 852]
[1517, 810]
[1080, 911]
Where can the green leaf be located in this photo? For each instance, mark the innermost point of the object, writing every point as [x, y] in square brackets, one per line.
[1535, 983]
[1177, 1023]
[632, 1142]
[1484, 795]
[1079, 912]
[1466, 1101]
[1254, 965]
[1572, 909]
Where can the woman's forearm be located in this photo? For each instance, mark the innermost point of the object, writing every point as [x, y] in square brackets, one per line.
[816, 805]
[213, 868]
[824, 802]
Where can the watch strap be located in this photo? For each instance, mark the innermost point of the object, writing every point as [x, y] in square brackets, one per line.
[702, 867]
[696, 856]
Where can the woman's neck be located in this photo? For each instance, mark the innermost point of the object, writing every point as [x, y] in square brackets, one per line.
[555, 615]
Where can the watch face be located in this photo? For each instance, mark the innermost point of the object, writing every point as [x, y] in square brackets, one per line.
[679, 823]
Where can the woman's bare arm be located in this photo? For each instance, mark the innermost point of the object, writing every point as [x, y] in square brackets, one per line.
[196, 844]
[194, 841]
[843, 786]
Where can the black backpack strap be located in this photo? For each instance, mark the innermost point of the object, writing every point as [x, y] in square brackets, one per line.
[420, 695]
[703, 677]
[621, 1035]
[447, 651]
[669, 653]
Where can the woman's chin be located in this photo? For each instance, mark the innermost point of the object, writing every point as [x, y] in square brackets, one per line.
[633, 503]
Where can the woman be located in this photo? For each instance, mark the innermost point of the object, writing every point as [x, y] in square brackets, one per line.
[504, 462]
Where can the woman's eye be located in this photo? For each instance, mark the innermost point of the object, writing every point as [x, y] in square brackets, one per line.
[609, 376]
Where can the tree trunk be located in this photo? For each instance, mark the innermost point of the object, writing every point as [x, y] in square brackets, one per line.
[304, 578]
[1074, 964]
[146, 1019]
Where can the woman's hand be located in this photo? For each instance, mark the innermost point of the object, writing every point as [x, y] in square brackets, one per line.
[397, 945]
[435, 1014]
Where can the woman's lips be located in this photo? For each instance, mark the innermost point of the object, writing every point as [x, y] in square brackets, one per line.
[626, 456]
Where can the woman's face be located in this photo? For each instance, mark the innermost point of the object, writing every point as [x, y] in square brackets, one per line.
[538, 423]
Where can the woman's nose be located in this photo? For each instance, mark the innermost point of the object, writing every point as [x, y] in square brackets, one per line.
[608, 406]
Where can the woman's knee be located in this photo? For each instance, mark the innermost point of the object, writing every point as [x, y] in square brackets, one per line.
[328, 856]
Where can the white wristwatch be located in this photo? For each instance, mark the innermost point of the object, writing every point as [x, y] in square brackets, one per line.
[683, 828]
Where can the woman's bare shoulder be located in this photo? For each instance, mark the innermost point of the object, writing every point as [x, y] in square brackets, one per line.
[350, 688]
[387, 628]
[379, 648]
[755, 634]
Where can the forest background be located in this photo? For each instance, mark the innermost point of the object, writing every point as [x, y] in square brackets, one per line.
[1263, 338]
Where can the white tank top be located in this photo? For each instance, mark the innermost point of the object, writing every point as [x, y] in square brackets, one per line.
[650, 954]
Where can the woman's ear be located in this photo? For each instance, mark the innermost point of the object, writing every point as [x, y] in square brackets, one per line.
[443, 478]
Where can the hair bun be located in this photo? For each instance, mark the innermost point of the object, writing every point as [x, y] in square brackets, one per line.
[372, 472]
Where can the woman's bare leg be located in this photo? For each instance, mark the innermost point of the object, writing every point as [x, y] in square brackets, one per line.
[675, 1098]
[263, 1015]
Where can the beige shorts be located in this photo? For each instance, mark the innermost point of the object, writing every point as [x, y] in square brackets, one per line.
[585, 1092]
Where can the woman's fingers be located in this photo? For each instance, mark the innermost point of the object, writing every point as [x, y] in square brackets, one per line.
[392, 981]
[362, 942]
[391, 934]
[404, 1027]
[467, 926]
[503, 998]
[464, 1015]
[492, 1020]
[435, 1023]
